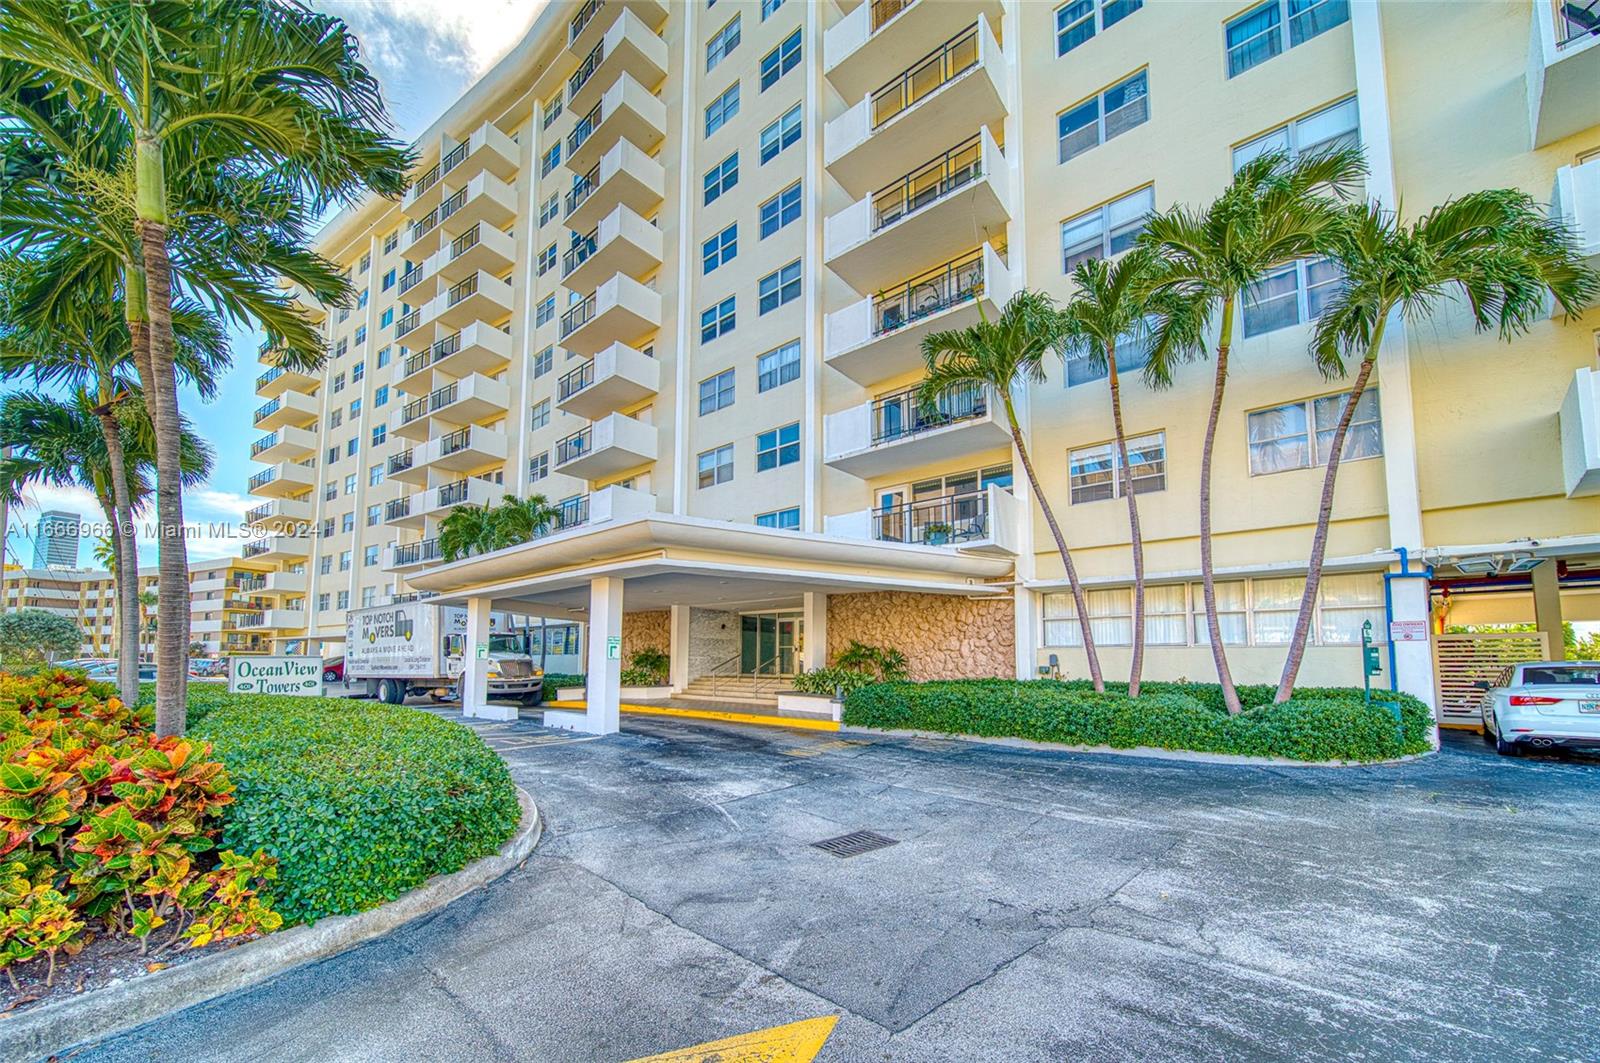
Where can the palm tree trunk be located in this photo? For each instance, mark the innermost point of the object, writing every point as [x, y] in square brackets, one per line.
[172, 612]
[1080, 602]
[1319, 540]
[127, 559]
[1230, 695]
[1136, 538]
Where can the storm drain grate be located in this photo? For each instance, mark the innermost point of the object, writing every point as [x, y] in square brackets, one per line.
[855, 843]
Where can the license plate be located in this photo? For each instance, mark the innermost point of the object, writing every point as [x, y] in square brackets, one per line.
[1590, 707]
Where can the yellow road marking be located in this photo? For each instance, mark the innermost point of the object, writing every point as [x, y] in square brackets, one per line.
[760, 720]
[798, 1042]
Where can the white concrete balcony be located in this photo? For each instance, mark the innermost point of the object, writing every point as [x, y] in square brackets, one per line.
[987, 522]
[463, 450]
[1563, 79]
[594, 17]
[880, 337]
[471, 399]
[290, 408]
[614, 379]
[397, 512]
[629, 47]
[893, 433]
[417, 329]
[267, 620]
[286, 479]
[620, 310]
[485, 198]
[313, 310]
[280, 514]
[956, 89]
[926, 217]
[408, 557]
[881, 35]
[228, 598]
[421, 282]
[480, 248]
[611, 445]
[439, 501]
[286, 444]
[278, 379]
[477, 348]
[402, 466]
[479, 297]
[205, 627]
[486, 148]
[623, 242]
[1575, 200]
[626, 110]
[279, 584]
[280, 546]
[625, 175]
[1580, 434]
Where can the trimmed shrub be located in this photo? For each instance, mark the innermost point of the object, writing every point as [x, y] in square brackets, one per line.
[554, 681]
[827, 680]
[359, 801]
[1320, 723]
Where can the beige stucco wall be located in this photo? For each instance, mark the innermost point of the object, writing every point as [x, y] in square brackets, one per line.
[942, 636]
[644, 631]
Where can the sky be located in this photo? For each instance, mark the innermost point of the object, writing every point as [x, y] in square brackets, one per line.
[425, 53]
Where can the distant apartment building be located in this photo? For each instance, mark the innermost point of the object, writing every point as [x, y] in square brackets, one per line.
[670, 266]
[55, 539]
[87, 596]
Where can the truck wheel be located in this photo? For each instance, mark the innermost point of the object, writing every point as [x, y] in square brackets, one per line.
[391, 692]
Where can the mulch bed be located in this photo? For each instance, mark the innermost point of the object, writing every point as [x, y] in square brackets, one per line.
[104, 961]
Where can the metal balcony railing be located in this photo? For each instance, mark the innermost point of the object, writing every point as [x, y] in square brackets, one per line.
[267, 410]
[255, 513]
[584, 128]
[439, 398]
[884, 10]
[262, 478]
[453, 494]
[581, 19]
[409, 280]
[465, 242]
[407, 323]
[938, 289]
[571, 512]
[576, 445]
[455, 441]
[572, 383]
[1575, 20]
[414, 409]
[416, 553]
[400, 462]
[251, 583]
[426, 181]
[586, 70]
[463, 290]
[902, 415]
[453, 204]
[582, 188]
[269, 376]
[453, 158]
[579, 252]
[934, 521]
[264, 443]
[928, 183]
[397, 508]
[929, 74]
[577, 317]
[256, 549]
[424, 223]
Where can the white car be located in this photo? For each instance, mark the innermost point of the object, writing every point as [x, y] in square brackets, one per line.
[1543, 705]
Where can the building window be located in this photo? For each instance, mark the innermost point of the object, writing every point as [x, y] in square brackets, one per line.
[344, 563]
[547, 260]
[338, 383]
[781, 446]
[780, 210]
[544, 361]
[550, 159]
[352, 445]
[782, 519]
[1107, 230]
[778, 367]
[1338, 126]
[380, 394]
[361, 300]
[780, 287]
[540, 415]
[388, 280]
[539, 467]
[546, 311]
[1096, 472]
[358, 372]
[336, 418]
[715, 466]
[716, 392]
[768, 7]
[386, 318]
[1104, 116]
[1290, 294]
[552, 110]
[1076, 21]
[1299, 435]
[384, 354]
[721, 178]
[343, 597]
[330, 491]
[780, 134]
[720, 249]
[379, 434]
[1133, 351]
[333, 455]
[322, 599]
[722, 44]
[369, 556]
[350, 483]
[722, 109]
[782, 59]
[1257, 35]
[366, 263]
[549, 208]
[340, 347]
[391, 242]
[717, 321]
[347, 522]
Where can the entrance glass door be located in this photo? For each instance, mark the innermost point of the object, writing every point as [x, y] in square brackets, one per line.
[769, 643]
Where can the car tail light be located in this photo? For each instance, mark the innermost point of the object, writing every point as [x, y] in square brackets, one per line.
[1533, 699]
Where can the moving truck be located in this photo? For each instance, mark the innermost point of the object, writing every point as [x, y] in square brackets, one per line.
[418, 648]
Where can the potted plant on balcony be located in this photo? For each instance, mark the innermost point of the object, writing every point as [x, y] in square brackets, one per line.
[936, 533]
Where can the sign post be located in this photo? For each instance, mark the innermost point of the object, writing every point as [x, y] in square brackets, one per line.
[295, 676]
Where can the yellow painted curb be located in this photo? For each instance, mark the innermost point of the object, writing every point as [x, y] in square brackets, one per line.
[758, 720]
[798, 1042]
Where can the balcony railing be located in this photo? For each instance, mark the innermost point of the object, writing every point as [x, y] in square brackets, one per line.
[437, 352]
[579, 253]
[902, 415]
[251, 583]
[582, 188]
[426, 181]
[937, 290]
[956, 168]
[584, 128]
[572, 383]
[439, 398]
[884, 10]
[1575, 20]
[577, 317]
[414, 409]
[400, 462]
[264, 443]
[465, 289]
[581, 19]
[940, 66]
[255, 513]
[256, 549]
[576, 445]
[416, 553]
[934, 521]
[424, 223]
[571, 512]
[453, 204]
[454, 494]
[458, 440]
[267, 410]
[397, 508]
[407, 323]
[269, 376]
[586, 70]
[262, 478]
[465, 242]
[453, 158]
[411, 277]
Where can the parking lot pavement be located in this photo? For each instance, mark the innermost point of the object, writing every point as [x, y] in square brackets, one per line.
[1033, 906]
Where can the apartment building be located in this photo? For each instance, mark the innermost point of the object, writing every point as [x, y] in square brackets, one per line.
[237, 606]
[88, 596]
[669, 266]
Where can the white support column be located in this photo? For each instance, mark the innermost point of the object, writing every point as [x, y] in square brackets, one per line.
[475, 667]
[814, 653]
[603, 679]
[1026, 625]
[1413, 661]
[1547, 609]
[678, 648]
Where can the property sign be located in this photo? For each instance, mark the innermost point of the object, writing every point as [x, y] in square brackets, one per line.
[300, 676]
[613, 647]
[1408, 631]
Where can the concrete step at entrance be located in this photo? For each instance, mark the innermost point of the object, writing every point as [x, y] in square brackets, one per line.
[738, 688]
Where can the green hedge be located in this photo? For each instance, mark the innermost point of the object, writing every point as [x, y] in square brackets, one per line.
[359, 801]
[554, 681]
[1319, 723]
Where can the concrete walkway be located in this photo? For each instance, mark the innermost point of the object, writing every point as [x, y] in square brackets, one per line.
[1037, 906]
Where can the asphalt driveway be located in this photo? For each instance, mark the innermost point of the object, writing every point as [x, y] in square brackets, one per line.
[1036, 906]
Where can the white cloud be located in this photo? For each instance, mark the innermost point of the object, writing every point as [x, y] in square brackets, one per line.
[401, 39]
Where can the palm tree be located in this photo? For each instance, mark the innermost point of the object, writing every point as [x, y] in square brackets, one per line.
[1112, 313]
[1273, 212]
[272, 96]
[1497, 249]
[1001, 355]
[465, 530]
[520, 520]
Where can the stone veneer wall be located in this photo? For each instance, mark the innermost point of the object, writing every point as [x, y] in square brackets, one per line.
[713, 638]
[642, 631]
[943, 636]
